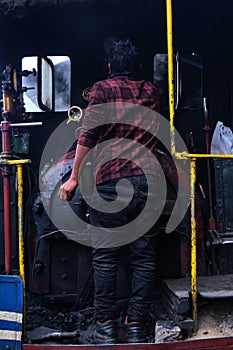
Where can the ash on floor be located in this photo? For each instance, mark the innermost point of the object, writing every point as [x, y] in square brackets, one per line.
[65, 325]
[45, 320]
[215, 319]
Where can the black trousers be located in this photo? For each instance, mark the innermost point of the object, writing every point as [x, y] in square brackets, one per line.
[142, 262]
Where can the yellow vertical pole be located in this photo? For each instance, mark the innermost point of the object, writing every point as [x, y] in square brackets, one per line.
[193, 243]
[170, 73]
[20, 221]
[192, 164]
[20, 230]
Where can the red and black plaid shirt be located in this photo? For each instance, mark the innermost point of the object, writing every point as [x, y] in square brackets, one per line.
[114, 114]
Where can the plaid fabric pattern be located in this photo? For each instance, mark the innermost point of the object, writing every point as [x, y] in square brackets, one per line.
[121, 121]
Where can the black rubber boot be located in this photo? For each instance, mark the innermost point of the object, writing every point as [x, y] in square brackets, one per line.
[102, 333]
[135, 332]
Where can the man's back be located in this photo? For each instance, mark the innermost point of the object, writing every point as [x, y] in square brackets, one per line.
[122, 88]
[116, 107]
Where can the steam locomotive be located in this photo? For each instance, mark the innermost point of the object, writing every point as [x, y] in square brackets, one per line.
[52, 52]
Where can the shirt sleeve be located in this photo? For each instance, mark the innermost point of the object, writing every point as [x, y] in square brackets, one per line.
[94, 118]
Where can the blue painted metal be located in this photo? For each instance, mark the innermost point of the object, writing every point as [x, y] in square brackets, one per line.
[11, 312]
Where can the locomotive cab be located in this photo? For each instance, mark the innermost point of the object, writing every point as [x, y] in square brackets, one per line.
[52, 54]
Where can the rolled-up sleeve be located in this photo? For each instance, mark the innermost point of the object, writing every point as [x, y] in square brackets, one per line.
[94, 119]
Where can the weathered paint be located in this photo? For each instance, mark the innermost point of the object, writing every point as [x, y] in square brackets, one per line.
[20, 235]
[193, 243]
[11, 312]
[202, 344]
[170, 73]
[20, 221]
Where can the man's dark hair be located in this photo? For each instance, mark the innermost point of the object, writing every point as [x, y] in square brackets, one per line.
[124, 58]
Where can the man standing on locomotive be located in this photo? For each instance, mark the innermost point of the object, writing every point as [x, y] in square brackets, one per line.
[123, 85]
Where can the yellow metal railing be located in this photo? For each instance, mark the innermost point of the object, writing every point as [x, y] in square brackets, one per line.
[170, 73]
[185, 155]
[19, 165]
[20, 221]
[193, 243]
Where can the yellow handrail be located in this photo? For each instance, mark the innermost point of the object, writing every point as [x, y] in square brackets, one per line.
[170, 74]
[20, 234]
[20, 221]
[193, 243]
[185, 155]
[19, 165]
